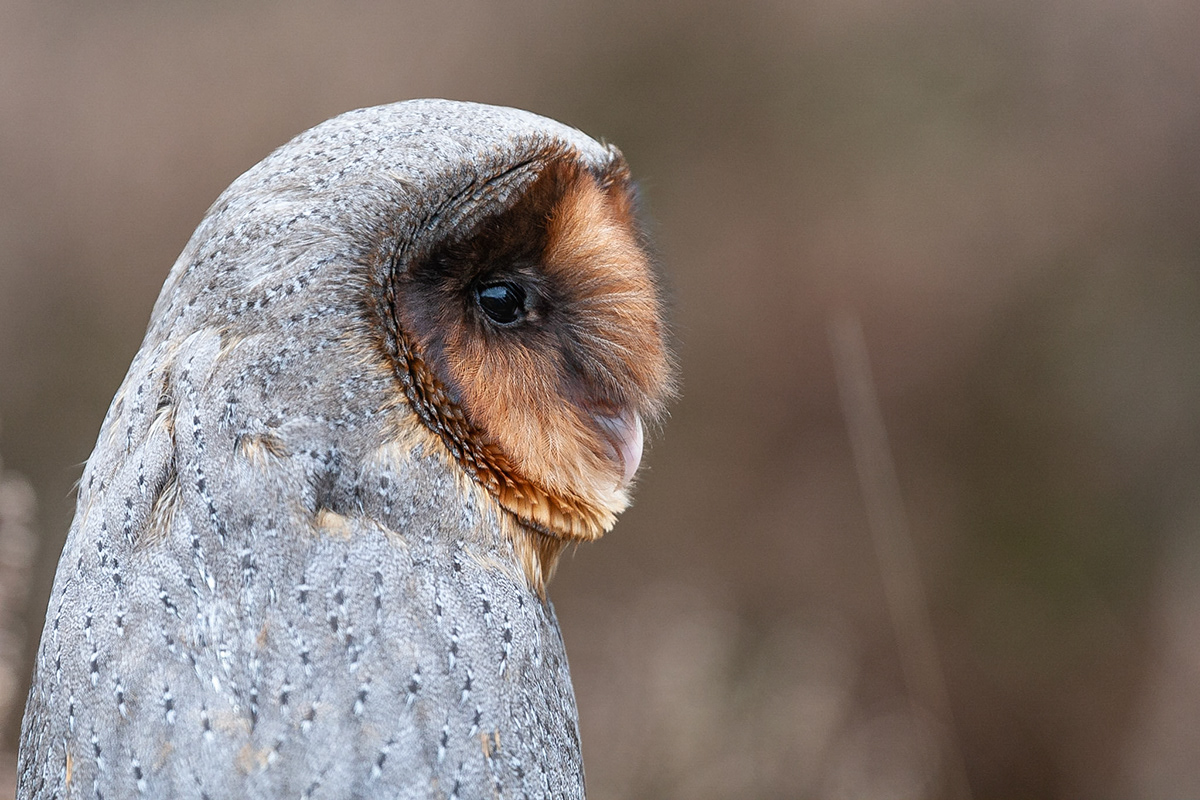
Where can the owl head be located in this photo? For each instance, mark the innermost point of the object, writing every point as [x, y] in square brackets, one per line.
[483, 269]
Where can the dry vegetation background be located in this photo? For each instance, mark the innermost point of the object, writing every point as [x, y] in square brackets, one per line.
[1007, 194]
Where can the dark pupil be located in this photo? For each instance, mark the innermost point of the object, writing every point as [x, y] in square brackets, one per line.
[503, 302]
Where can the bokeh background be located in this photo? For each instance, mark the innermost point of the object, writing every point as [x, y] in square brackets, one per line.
[1005, 194]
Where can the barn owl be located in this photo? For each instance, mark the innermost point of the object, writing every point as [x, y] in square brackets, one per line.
[402, 362]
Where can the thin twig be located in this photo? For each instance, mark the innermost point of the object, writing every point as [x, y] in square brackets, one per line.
[898, 565]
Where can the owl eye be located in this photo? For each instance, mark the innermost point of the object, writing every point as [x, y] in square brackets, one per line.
[504, 303]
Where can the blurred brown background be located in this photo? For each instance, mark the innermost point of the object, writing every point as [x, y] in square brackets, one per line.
[1007, 194]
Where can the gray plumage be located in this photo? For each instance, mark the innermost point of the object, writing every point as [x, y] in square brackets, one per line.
[267, 591]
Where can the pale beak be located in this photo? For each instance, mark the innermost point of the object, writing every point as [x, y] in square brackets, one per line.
[625, 434]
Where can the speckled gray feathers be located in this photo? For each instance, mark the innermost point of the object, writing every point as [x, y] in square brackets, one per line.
[266, 591]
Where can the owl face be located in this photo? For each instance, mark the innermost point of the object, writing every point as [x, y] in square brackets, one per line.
[532, 344]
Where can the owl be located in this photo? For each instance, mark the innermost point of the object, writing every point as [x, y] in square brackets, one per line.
[401, 364]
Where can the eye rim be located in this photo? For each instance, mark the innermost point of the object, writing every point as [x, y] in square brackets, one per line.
[496, 314]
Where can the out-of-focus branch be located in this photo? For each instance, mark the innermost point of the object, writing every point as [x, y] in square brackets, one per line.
[898, 565]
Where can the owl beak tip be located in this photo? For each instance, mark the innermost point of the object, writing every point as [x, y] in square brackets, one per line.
[625, 435]
[631, 449]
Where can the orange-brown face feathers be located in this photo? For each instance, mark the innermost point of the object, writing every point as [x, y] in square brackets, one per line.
[534, 346]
